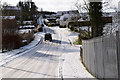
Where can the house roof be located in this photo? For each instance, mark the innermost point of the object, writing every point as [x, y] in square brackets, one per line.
[11, 8]
[8, 17]
[67, 12]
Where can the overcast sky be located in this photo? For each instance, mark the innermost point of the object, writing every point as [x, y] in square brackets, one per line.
[49, 5]
[54, 5]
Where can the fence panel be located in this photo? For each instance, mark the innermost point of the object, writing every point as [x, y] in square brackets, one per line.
[102, 56]
[99, 58]
[110, 57]
[118, 52]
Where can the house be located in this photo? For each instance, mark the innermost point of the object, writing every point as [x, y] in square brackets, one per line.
[11, 11]
[9, 25]
[48, 16]
[10, 36]
[70, 16]
[60, 13]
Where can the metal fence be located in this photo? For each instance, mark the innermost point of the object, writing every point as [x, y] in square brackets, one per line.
[101, 55]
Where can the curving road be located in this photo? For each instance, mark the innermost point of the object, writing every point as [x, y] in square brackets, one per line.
[46, 60]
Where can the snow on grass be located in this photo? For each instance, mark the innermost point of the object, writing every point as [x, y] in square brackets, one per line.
[72, 36]
[8, 17]
[21, 31]
[27, 22]
[26, 26]
[70, 65]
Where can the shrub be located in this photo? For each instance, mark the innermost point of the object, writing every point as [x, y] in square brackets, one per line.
[72, 28]
[76, 29]
[82, 23]
[28, 36]
[49, 24]
[80, 39]
[11, 41]
[84, 35]
[52, 24]
[34, 31]
[68, 24]
[40, 29]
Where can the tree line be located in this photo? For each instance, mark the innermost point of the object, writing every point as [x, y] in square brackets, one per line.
[28, 10]
[95, 12]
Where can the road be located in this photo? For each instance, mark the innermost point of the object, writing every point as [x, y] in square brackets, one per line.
[46, 60]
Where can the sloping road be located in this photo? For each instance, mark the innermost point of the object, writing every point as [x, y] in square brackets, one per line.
[45, 61]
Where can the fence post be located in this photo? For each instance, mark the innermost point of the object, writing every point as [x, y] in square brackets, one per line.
[118, 53]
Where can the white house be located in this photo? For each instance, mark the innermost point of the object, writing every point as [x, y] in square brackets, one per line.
[11, 11]
[60, 13]
[71, 16]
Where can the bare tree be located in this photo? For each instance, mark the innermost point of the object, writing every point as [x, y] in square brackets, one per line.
[108, 4]
[82, 5]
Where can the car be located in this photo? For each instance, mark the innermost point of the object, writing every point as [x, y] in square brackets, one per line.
[48, 37]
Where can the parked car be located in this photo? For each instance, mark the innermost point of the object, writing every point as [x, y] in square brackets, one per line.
[48, 37]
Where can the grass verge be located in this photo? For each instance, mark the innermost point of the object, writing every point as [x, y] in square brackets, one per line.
[77, 42]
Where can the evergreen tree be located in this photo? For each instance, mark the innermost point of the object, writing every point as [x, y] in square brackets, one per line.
[20, 4]
[28, 10]
[33, 9]
[95, 12]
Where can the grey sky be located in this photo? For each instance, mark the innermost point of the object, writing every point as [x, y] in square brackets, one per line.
[49, 5]
[55, 5]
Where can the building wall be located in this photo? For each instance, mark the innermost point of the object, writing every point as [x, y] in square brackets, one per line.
[11, 28]
[11, 11]
[10, 37]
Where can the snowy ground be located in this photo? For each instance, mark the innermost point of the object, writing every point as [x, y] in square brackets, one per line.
[21, 31]
[71, 65]
[66, 33]
[10, 55]
[27, 26]
[54, 59]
